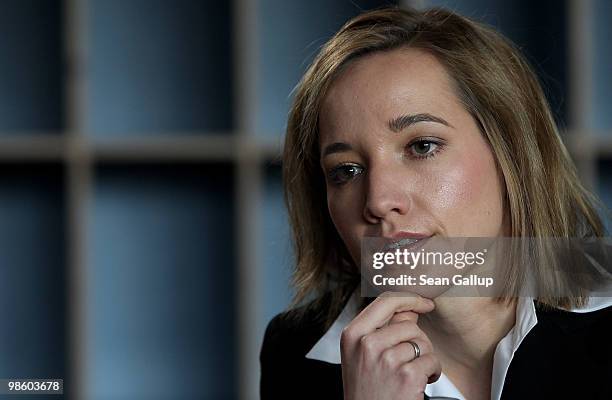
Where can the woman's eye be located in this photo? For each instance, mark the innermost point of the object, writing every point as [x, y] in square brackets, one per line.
[344, 173]
[424, 148]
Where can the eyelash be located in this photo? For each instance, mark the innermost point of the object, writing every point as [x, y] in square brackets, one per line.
[438, 147]
[333, 173]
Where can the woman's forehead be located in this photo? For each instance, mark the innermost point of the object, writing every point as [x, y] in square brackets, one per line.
[381, 86]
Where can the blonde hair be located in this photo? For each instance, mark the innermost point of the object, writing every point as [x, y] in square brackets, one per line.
[498, 88]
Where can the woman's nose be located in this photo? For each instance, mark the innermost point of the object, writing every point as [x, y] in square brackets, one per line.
[386, 194]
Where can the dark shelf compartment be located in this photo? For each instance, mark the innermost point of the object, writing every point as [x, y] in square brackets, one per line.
[162, 295]
[33, 279]
[159, 66]
[32, 66]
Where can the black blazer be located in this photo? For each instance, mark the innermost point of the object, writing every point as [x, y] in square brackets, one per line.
[565, 356]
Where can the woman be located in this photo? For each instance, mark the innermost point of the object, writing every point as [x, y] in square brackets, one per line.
[413, 124]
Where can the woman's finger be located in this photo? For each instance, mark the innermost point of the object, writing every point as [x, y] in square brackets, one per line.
[373, 344]
[404, 316]
[403, 353]
[427, 367]
[381, 310]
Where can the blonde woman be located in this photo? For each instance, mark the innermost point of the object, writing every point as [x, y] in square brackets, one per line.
[417, 124]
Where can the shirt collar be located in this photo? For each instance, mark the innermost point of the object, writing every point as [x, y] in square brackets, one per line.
[328, 347]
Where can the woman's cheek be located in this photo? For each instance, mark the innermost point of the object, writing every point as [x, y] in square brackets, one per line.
[467, 198]
[345, 216]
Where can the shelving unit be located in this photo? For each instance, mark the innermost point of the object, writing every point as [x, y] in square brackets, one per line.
[144, 239]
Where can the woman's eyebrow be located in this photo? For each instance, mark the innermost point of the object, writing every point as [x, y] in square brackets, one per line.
[404, 121]
[336, 147]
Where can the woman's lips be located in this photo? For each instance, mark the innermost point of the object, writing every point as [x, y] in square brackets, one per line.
[406, 243]
[400, 243]
[407, 235]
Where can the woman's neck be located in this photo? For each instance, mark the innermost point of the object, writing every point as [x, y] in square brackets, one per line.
[468, 329]
[465, 333]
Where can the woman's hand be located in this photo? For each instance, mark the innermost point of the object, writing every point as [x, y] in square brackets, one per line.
[378, 362]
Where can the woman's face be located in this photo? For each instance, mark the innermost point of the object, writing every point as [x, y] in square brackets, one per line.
[401, 154]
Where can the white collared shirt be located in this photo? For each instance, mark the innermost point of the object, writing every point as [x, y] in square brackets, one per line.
[328, 347]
